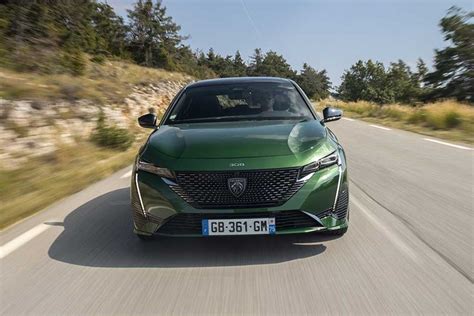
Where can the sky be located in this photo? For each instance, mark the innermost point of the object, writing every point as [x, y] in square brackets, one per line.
[326, 34]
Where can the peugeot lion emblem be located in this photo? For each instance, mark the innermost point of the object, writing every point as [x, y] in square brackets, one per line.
[237, 186]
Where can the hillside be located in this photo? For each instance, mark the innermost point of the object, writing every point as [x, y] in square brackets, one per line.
[48, 123]
[107, 82]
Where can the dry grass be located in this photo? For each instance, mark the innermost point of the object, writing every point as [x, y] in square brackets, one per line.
[47, 179]
[108, 82]
[44, 180]
[445, 119]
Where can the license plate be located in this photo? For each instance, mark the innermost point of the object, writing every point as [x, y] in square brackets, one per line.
[245, 226]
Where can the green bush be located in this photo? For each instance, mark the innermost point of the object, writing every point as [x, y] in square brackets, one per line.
[416, 117]
[98, 59]
[74, 62]
[111, 136]
[443, 119]
[452, 119]
[393, 112]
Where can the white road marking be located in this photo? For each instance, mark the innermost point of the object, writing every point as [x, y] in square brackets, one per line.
[19, 241]
[126, 175]
[447, 144]
[385, 230]
[381, 127]
[348, 119]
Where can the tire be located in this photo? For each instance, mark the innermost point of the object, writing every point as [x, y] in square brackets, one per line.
[144, 237]
[337, 232]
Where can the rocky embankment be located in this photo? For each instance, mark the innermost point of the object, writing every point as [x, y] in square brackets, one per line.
[31, 128]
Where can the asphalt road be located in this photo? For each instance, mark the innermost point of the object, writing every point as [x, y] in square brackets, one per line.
[409, 248]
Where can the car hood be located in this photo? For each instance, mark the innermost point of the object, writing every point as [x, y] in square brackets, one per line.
[236, 139]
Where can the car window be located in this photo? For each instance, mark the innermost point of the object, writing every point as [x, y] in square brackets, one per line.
[247, 101]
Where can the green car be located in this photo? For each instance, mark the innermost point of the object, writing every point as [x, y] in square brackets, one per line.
[240, 156]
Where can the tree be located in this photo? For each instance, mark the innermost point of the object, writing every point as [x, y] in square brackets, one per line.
[366, 81]
[315, 84]
[154, 36]
[110, 29]
[227, 67]
[219, 65]
[401, 84]
[256, 61]
[48, 36]
[274, 65]
[240, 68]
[211, 58]
[27, 31]
[421, 72]
[453, 74]
[77, 32]
[418, 78]
[192, 63]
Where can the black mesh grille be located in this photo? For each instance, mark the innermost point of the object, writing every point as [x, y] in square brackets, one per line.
[342, 202]
[265, 188]
[138, 217]
[191, 223]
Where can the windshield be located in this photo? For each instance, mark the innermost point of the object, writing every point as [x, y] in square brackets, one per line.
[235, 102]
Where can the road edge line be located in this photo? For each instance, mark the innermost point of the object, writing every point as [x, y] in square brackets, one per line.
[384, 229]
[128, 174]
[21, 240]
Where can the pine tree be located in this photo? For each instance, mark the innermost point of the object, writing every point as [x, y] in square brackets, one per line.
[366, 81]
[110, 29]
[418, 78]
[315, 84]
[154, 36]
[275, 65]
[255, 67]
[399, 78]
[240, 69]
[453, 75]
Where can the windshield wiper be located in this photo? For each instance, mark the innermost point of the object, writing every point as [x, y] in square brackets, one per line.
[281, 118]
[239, 118]
[209, 119]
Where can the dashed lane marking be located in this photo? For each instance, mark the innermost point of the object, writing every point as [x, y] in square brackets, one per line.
[447, 144]
[381, 127]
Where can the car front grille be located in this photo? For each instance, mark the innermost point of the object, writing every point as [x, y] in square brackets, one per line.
[264, 188]
[190, 223]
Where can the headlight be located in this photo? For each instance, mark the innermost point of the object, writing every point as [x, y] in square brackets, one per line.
[151, 168]
[322, 163]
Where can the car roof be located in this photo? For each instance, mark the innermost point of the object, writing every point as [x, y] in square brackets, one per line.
[236, 80]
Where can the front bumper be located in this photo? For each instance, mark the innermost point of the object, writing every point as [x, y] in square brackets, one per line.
[157, 209]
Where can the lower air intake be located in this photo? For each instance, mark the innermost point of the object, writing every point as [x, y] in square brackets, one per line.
[342, 202]
[190, 223]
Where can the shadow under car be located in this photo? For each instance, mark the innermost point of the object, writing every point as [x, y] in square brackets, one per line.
[99, 234]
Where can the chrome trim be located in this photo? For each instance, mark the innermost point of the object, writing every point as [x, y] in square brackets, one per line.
[338, 184]
[139, 195]
[168, 181]
[305, 178]
[314, 217]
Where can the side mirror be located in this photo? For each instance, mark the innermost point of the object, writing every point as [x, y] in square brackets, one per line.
[331, 114]
[147, 120]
